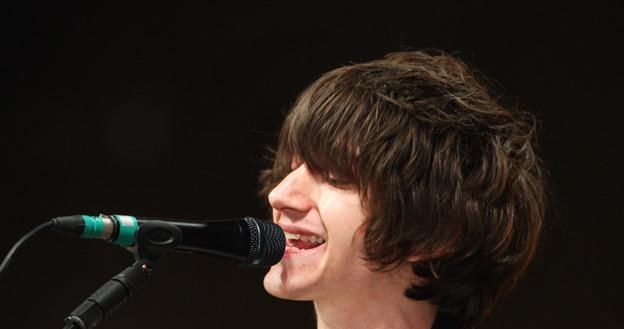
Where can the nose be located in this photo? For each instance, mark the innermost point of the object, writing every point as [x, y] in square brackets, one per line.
[295, 192]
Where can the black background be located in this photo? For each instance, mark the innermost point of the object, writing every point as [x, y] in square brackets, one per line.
[165, 112]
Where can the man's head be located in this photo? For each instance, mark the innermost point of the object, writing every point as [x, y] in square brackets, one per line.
[446, 178]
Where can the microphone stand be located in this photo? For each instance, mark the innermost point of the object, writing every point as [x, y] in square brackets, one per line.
[109, 296]
[115, 292]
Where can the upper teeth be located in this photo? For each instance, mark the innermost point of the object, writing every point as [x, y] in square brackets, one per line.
[310, 238]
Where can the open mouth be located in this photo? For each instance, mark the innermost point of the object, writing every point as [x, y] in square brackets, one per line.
[303, 242]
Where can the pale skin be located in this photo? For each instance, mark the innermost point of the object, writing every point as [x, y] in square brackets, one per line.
[345, 291]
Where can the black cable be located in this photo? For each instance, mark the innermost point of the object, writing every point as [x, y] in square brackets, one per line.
[9, 256]
[71, 326]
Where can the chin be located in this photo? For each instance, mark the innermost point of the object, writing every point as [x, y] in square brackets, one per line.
[279, 285]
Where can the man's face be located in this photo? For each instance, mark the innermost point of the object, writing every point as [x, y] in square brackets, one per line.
[325, 258]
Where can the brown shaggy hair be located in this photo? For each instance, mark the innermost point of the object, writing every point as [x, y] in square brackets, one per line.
[443, 169]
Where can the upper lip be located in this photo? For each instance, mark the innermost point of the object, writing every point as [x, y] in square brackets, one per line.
[297, 230]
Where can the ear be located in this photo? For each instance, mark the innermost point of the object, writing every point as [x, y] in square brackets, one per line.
[420, 255]
[415, 257]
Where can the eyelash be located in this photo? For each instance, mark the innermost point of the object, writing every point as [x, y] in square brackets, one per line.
[335, 182]
[329, 178]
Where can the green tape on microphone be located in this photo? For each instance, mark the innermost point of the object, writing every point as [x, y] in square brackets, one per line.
[94, 226]
[98, 227]
[128, 226]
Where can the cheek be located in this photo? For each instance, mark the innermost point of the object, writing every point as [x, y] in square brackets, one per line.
[344, 219]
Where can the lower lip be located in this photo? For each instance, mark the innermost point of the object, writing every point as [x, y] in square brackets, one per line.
[294, 252]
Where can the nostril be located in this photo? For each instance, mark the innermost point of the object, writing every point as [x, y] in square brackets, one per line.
[293, 215]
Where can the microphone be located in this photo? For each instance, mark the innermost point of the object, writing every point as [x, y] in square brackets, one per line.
[250, 242]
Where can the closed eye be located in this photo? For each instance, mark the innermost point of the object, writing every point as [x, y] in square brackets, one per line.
[337, 182]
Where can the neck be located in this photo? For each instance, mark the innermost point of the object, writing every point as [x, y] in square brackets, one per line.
[378, 304]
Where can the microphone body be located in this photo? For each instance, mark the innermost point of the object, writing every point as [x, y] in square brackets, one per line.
[250, 242]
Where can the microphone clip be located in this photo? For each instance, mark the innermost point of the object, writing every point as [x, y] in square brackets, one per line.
[155, 237]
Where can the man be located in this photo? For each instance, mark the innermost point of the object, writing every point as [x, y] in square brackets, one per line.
[409, 196]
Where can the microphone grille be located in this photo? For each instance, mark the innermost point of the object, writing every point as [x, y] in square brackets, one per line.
[268, 243]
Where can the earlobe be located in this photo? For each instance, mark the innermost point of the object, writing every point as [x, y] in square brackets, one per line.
[420, 256]
[416, 263]
[415, 258]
